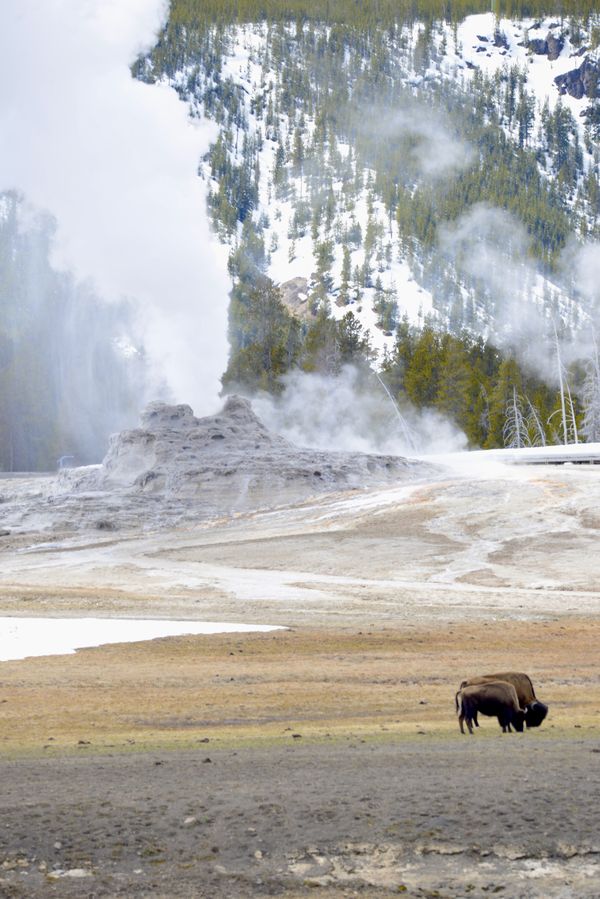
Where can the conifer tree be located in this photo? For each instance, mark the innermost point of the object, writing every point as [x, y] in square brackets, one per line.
[455, 390]
[508, 383]
[344, 296]
[421, 380]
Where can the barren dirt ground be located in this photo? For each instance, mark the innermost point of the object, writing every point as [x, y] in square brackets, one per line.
[326, 759]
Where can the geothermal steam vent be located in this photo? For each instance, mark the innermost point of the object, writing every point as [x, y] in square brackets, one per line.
[225, 463]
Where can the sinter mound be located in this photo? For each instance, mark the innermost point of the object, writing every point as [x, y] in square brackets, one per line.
[228, 461]
[179, 468]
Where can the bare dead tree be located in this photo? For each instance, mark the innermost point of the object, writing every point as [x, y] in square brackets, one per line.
[535, 428]
[515, 432]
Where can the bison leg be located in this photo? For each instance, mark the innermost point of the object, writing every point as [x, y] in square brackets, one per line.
[504, 722]
[462, 718]
[466, 714]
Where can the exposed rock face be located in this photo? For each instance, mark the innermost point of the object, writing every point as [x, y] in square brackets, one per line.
[555, 46]
[581, 82]
[176, 467]
[500, 39]
[294, 295]
[550, 46]
[538, 46]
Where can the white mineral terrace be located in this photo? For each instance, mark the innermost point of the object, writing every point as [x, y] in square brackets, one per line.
[24, 637]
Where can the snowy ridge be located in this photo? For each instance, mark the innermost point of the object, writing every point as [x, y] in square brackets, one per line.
[481, 45]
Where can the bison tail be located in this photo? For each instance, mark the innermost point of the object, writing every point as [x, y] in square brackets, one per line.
[456, 701]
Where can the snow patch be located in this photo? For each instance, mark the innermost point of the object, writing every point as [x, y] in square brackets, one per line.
[25, 637]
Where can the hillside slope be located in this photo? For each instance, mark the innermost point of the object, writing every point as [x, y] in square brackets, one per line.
[436, 171]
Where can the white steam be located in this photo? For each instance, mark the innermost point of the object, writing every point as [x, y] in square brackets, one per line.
[437, 150]
[115, 162]
[523, 307]
[587, 273]
[434, 149]
[351, 414]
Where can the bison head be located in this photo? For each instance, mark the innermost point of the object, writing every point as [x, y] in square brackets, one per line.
[535, 713]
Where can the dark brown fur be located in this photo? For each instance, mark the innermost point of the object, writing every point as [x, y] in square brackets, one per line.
[520, 681]
[535, 711]
[495, 698]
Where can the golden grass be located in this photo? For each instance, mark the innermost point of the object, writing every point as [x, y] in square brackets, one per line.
[238, 689]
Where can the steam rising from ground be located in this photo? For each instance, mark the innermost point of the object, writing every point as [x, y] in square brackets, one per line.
[587, 267]
[431, 146]
[115, 162]
[437, 151]
[351, 412]
[492, 246]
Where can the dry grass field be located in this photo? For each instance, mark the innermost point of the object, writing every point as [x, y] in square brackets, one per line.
[236, 689]
[300, 762]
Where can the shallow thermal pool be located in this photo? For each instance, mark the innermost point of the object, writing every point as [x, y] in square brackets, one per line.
[23, 637]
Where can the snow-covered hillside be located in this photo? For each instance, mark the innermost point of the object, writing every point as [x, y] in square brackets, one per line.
[542, 49]
[542, 52]
[332, 236]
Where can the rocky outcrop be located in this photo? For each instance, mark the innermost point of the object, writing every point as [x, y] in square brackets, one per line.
[550, 46]
[581, 82]
[555, 46]
[500, 39]
[294, 295]
[179, 468]
[539, 46]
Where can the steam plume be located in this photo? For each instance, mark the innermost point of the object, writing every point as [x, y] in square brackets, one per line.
[349, 413]
[115, 162]
[523, 305]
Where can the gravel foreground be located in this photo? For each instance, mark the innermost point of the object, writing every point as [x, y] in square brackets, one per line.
[514, 816]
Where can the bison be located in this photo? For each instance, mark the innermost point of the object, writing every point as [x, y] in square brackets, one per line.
[535, 711]
[492, 698]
